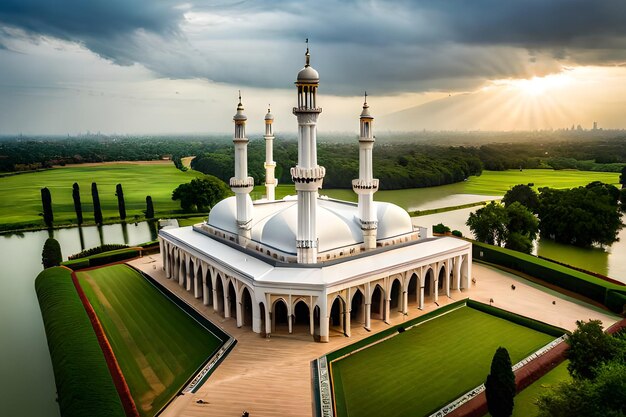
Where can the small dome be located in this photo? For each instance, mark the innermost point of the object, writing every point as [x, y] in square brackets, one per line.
[239, 116]
[308, 75]
[269, 116]
[392, 220]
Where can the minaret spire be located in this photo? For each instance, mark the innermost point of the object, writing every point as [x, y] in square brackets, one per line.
[270, 165]
[307, 175]
[365, 186]
[241, 183]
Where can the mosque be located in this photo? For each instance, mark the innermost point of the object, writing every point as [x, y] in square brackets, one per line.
[309, 263]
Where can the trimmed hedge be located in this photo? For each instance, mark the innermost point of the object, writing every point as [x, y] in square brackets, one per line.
[103, 258]
[98, 249]
[517, 319]
[616, 301]
[561, 276]
[83, 382]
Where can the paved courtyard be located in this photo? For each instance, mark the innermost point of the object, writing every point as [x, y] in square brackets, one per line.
[271, 377]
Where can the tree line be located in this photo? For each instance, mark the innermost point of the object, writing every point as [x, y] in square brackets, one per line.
[397, 166]
[580, 216]
[48, 214]
[598, 151]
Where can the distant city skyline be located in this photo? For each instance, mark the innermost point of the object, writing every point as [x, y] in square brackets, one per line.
[169, 67]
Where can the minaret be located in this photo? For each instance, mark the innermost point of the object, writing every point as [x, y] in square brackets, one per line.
[241, 183]
[365, 186]
[270, 181]
[307, 175]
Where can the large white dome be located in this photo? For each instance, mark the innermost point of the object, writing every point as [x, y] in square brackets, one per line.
[275, 224]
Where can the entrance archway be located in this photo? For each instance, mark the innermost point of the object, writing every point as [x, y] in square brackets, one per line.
[337, 316]
[280, 317]
[219, 291]
[246, 308]
[301, 318]
[395, 295]
[378, 303]
[357, 308]
[232, 299]
[429, 283]
[413, 290]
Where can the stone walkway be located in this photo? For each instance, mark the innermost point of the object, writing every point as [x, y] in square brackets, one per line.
[271, 377]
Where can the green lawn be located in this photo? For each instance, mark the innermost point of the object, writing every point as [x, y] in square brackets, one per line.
[20, 195]
[422, 369]
[525, 405]
[157, 345]
[489, 183]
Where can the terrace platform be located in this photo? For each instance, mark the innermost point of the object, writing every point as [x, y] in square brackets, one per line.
[269, 377]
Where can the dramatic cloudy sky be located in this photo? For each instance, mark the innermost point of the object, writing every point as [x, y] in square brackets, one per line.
[146, 66]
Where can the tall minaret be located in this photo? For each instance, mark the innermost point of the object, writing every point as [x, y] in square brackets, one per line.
[365, 186]
[241, 183]
[270, 181]
[307, 175]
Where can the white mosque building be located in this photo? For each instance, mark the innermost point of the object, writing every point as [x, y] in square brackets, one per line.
[309, 263]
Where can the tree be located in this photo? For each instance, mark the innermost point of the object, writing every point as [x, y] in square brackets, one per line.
[121, 205]
[51, 254]
[77, 206]
[581, 216]
[97, 210]
[149, 208]
[522, 227]
[524, 195]
[500, 385]
[622, 177]
[589, 348]
[488, 224]
[622, 198]
[46, 202]
[201, 193]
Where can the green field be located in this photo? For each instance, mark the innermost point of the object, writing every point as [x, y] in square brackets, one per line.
[525, 401]
[426, 367]
[489, 183]
[158, 346]
[20, 195]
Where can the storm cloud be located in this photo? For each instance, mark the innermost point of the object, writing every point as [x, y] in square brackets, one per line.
[389, 46]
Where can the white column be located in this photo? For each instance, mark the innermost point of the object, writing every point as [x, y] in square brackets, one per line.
[348, 322]
[368, 316]
[420, 304]
[405, 302]
[386, 311]
[241, 184]
[238, 308]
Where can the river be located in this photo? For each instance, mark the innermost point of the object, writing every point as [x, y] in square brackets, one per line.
[27, 385]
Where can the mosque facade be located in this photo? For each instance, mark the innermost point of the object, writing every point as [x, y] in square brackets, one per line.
[309, 263]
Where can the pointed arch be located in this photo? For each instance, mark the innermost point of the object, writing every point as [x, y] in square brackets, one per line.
[246, 307]
[280, 316]
[357, 307]
[377, 301]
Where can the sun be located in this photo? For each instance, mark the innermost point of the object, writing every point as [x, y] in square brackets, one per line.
[535, 86]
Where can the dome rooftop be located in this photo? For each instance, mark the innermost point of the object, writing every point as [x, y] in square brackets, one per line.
[308, 74]
[269, 116]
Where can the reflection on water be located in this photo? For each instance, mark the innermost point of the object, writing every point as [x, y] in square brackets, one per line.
[591, 259]
[27, 384]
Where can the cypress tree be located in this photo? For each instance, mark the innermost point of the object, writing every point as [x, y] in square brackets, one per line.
[97, 210]
[51, 254]
[149, 208]
[46, 202]
[500, 385]
[121, 205]
[78, 208]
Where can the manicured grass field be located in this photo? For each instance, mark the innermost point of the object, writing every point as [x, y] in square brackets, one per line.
[157, 345]
[422, 369]
[525, 401]
[489, 183]
[20, 195]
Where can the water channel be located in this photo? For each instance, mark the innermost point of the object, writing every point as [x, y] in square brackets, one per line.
[27, 385]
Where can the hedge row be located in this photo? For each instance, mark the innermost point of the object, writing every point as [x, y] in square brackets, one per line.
[103, 258]
[84, 384]
[561, 276]
[98, 249]
[517, 319]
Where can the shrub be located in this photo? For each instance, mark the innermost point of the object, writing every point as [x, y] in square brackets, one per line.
[440, 228]
[457, 233]
[51, 254]
[500, 385]
[98, 249]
